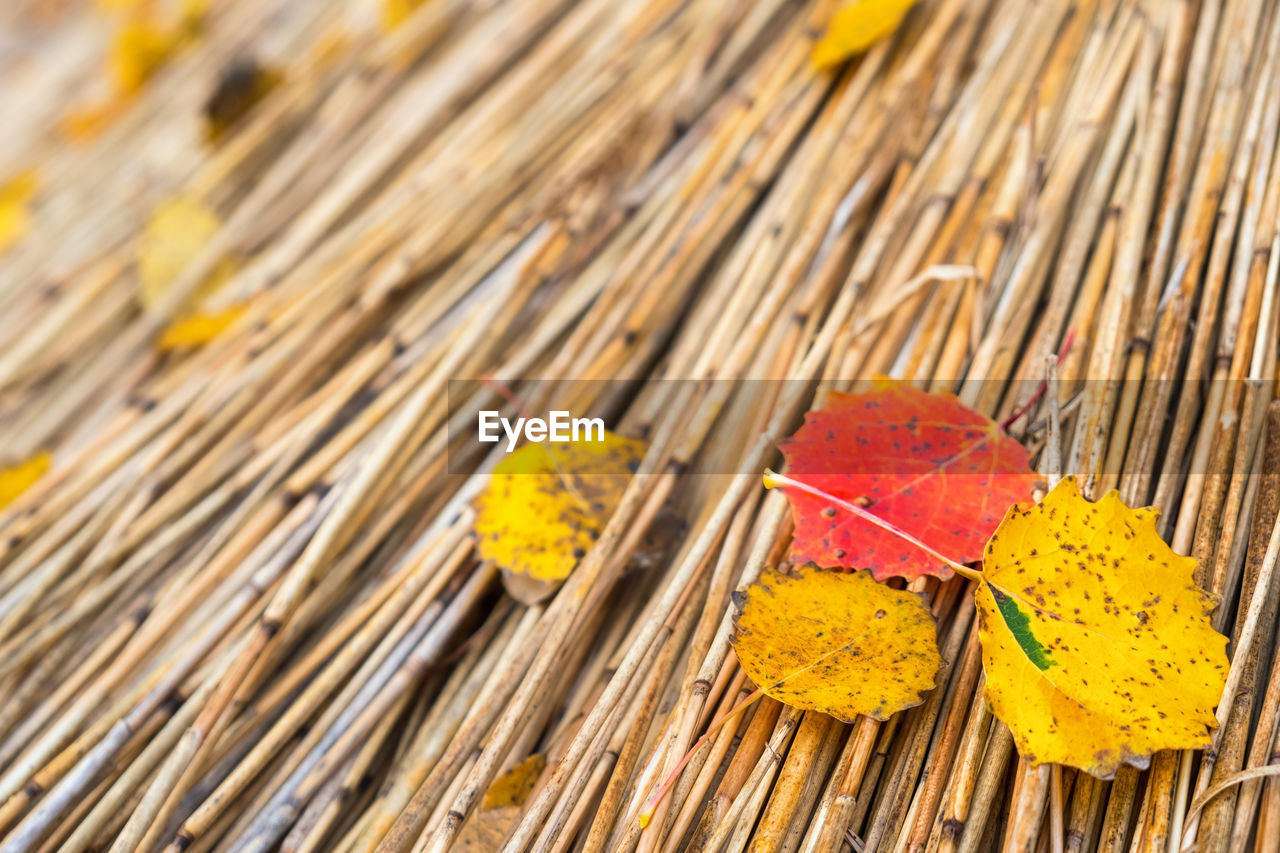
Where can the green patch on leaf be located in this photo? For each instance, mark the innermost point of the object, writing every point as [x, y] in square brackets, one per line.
[1020, 626]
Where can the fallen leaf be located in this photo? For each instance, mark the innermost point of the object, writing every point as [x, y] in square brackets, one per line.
[177, 231]
[514, 787]
[396, 12]
[138, 49]
[83, 124]
[836, 642]
[15, 197]
[1096, 641]
[857, 25]
[143, 41]
[546, 505]
[241, 86]
[924, 463]
[197, 329]
[486, 831]
[16, 479]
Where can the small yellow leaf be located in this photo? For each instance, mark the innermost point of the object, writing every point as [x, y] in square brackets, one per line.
[485, 831]
[546, 504]
[177, 231]
[396, 12]
[198, 329]
[836, 642]
[15, 195]
[139, 48]
[191, 15]
[1096, 641]
[145, 41]
[514, 787]
[857, 25]
[86, 123]
[17, 479]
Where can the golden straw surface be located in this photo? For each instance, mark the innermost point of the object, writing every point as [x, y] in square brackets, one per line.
[243, 609]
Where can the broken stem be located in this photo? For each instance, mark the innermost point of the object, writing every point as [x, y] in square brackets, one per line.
[651, 806]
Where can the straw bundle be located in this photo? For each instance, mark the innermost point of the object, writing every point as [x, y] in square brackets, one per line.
[243, 609]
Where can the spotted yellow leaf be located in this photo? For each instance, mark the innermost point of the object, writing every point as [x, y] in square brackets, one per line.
[15, 196]
[1096, 641]
[836, 642]
[18, 478]
[197, 329]
[177, 231]
[857, 25]
[514, 787]
[546, 504]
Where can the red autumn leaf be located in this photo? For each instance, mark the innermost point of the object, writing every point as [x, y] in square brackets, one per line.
[924, 463]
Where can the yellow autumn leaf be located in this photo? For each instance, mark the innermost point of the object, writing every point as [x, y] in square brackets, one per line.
[396, 12]
[1096, 641]
[177, 231]
[15, 196]
[857, 25]
[18, 478]
[514, 787]
[197, 329]
[836, 642]
[84, 124]
[144, 40]
[545, 505]
[486, 831]
[138, 48]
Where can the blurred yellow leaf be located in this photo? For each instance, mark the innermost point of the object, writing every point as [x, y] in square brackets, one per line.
[138, 48]
[15, 195]
[514, 787]
[857, 25]
[17, 479]
[486, 830]
[197, 329]
[179, 228]
[145, 41]
[142, 42]
[1096, 641]
[396, 12]
[85, 123]
[546, 504]
[836, 642]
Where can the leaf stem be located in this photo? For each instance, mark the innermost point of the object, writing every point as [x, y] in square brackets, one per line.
[651, 806]
[773, 480]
